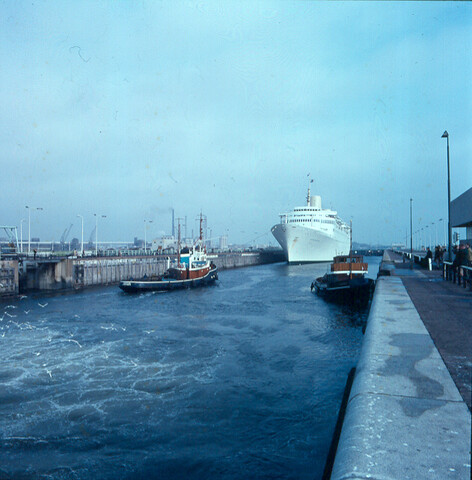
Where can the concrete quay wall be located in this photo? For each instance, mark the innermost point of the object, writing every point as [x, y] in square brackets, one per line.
[405, 418]
[9, 279]
[108, 271]
[236, 260]
[76, 273]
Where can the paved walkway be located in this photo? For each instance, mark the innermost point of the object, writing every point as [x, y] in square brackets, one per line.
[446, 311]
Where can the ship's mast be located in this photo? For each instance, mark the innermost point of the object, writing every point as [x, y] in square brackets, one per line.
[308, 194]
[178, 245]
[201, 234]
[201, 228]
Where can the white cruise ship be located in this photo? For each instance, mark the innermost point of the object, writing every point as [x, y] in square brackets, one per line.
[311, 234]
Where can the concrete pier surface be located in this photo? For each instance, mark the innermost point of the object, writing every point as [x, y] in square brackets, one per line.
[446, 311]
[406, 418]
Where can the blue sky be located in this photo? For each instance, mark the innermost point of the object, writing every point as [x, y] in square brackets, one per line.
[129, 108]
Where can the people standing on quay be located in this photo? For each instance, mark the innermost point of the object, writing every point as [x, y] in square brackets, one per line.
[429, 258]
[437, 256]
[467, 256]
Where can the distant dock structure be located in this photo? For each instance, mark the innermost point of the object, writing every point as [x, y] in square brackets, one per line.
[43, 274]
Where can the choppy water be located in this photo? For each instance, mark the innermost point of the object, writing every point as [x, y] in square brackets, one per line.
[240, 380]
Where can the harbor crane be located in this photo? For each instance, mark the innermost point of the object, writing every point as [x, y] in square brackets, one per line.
[91, 238]
[65, 234]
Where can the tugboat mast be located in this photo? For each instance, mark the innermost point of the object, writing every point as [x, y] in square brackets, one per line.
[178, 243]
[202, 245]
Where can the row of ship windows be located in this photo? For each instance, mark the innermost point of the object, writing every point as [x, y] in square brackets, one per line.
[313, 220]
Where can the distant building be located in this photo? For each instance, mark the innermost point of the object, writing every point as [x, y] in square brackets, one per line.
[461, 214]
[166, 244]
[223, 242]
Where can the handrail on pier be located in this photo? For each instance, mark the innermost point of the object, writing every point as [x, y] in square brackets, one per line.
[461, 275]
[421, 260]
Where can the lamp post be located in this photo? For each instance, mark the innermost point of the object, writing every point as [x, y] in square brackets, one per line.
[82, 242]
[29, 224]
[411, 233]
[21, 234]
[444, 225]
[96, 215]
[449, 231]
[145, 242]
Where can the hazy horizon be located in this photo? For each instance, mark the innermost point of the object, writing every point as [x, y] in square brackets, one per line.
[129, 109]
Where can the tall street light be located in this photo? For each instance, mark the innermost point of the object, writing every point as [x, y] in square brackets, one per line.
[449, 231]
[411, 233]
[21, 234]
[96, 215]
[82, 242]
[444, 229]
[29, 224]
[145, 242]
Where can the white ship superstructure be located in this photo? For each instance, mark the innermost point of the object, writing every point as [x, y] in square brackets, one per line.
[311, 234]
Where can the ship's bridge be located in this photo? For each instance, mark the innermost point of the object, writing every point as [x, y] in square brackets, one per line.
[309, 215]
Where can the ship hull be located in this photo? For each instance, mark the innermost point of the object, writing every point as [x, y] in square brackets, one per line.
[134, 286]
[349, 291]
[307, 245]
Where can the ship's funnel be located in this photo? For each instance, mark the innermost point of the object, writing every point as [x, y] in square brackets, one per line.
[315, 201]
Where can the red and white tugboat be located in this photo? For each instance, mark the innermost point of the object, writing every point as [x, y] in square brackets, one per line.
[190, 269]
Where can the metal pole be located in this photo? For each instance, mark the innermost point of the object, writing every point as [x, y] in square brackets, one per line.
[21, 235]
[449, 230]
[96, 234]
[96, 231]
[29, 229]
[82, 242]
[411, 233]
[145, 237]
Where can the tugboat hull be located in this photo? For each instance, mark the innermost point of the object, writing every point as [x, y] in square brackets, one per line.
[134, 286]
[355, 290]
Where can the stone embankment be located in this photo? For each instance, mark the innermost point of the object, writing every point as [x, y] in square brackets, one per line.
[405, 417]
